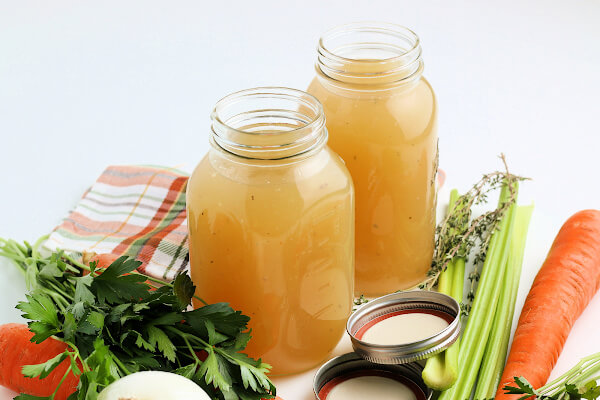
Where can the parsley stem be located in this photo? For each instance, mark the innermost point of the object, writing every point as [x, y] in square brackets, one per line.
[77, 355]
[121, 365]
[16, 247]
[192, 352]
[15, 260]
[15, 256]
[34, 249]
[77, 263]
[57, 288]
[61, 382]
[58, 299]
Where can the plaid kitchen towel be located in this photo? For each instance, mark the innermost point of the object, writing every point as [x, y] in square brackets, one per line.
[138, 211]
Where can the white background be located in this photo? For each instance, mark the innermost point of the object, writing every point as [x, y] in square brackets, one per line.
[88, 84]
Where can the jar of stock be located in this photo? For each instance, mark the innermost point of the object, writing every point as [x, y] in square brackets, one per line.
[381, 117]
[271, 224]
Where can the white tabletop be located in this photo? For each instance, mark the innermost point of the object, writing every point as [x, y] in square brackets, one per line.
[84, 85]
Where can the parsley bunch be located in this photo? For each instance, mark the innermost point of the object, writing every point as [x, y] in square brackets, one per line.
[115, 323]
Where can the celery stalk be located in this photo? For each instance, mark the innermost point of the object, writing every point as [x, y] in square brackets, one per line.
[480, 321]
[452, 353]
[446, 278]
[441, 370]
[497, 346]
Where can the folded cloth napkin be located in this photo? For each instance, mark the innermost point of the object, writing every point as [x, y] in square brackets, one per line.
[138, 211]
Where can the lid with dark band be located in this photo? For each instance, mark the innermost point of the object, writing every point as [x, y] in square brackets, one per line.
[441, 314]
[350, 366]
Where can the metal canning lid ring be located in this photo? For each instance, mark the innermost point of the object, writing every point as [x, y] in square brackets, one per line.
[349, 366]
[417, 301]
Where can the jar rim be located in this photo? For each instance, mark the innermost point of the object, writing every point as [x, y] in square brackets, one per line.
[365, 26]
[273, 91]
[399, 51]
[305, 130]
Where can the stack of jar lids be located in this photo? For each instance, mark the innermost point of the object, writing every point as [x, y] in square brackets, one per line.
[390, 335]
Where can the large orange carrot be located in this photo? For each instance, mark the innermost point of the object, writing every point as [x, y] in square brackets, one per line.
[567, 281]
[16, 350]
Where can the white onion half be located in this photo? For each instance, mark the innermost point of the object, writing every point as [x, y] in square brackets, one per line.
[153, 385]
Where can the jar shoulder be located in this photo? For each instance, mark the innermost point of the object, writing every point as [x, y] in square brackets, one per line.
[428, 88]
[324, 89]
[230, 172]
[403, 114]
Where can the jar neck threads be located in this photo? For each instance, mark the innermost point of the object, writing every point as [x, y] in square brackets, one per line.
[370, 54]
[268, 123]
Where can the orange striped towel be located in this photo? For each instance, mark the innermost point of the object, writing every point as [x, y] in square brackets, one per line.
[137, 211]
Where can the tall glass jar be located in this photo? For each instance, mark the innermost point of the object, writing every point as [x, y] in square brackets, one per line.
[381, 116]
[271, 223]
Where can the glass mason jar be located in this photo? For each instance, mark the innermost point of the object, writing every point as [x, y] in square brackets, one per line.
[271, 224]
[381, 117]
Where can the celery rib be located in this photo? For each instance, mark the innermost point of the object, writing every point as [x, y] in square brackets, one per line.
[480, 321]
[441, 370]
[497, 346]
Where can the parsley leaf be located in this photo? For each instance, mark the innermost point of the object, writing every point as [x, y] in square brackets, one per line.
[590, 390]
[523, 387]
[42, 312]
[82, 291]
[158, 338]
[43, 370]
[30, 397]
[221, 315]
[39, 308]
[184, 289]
[109, 289]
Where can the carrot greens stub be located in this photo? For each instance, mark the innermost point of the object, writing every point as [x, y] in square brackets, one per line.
[580, 382]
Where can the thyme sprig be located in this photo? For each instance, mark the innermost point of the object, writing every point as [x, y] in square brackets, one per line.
[461, 235]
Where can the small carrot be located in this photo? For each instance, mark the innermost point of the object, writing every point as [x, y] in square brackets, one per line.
[16, 350]
[563, 287]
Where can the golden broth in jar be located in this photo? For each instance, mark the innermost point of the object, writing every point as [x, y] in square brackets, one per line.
[271, 221]
[381, 117]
